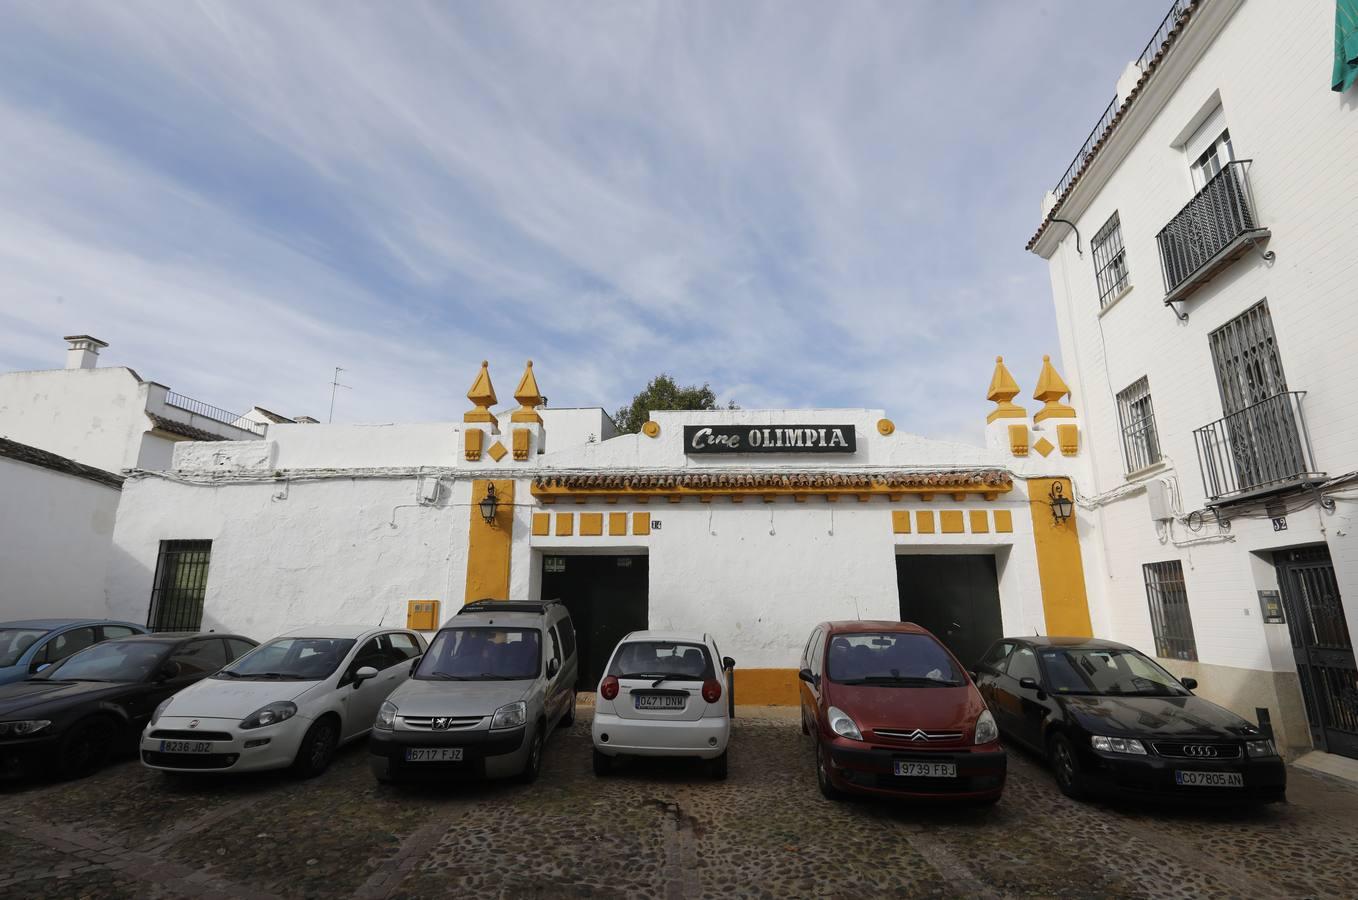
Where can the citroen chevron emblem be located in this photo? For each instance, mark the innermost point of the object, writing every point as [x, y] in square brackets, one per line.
[919, 735]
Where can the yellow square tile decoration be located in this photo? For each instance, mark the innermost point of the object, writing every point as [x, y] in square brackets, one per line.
[924, 521]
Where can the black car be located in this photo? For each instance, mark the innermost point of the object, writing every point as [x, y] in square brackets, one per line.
[1110, 720]
[71, 716]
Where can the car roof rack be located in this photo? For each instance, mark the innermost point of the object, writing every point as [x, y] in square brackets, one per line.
[490, 604]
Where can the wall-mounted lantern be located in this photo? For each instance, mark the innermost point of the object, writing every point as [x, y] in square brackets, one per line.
[1062, 506]
[489, 504]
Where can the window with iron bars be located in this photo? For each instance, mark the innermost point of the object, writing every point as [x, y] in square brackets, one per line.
[1140, 443]
[1170, 618]
[1110, 261]
[180, 585]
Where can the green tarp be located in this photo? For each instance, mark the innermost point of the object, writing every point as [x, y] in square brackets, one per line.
[1345, 44]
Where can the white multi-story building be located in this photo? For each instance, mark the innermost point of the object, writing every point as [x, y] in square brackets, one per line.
[1203, 251]
[111, 418]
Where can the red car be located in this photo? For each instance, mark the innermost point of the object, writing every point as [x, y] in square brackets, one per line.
[894, 713]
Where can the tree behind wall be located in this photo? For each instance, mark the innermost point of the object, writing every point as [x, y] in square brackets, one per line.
[664, 394]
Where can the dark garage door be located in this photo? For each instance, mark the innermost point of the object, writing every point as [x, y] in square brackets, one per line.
[957, 597]
[607, 597]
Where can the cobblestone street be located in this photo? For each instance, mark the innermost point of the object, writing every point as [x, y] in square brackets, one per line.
[651, 830]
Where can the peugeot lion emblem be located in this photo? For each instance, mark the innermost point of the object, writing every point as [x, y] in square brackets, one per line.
[1200, 750]
[440, 723]
[193, 724]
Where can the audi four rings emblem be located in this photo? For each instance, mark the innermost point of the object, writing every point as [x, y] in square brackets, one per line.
[1199, 750]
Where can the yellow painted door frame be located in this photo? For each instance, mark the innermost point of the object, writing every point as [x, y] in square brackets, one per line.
[489, 543]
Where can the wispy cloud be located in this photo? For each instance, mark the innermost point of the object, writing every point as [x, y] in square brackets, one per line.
[802, 204]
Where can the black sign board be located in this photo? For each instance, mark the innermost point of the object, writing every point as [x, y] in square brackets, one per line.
[1271, 604]
[769, 439]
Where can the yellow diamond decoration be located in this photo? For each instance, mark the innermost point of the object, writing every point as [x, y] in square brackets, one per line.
[1042, 446]
[497, 451]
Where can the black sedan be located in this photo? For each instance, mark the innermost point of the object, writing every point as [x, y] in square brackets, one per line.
[70, 717]
[1110, 720]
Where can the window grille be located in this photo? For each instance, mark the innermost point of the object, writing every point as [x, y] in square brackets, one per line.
[180, 585]
[1110, 261]
[1140, 443]
[1170, 618]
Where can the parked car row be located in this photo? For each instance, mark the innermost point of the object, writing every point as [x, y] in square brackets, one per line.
[890, 709]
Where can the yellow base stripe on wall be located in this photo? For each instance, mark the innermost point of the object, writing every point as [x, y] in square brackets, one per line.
[767, 687]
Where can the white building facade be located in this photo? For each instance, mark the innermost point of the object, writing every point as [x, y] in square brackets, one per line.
[1201, 250]
[752, 525]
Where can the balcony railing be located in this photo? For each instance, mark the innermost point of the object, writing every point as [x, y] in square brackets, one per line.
[215, 413]
[1216, 226]
[1262, 448]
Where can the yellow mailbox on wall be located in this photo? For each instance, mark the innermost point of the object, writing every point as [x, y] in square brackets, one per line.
[422, 615]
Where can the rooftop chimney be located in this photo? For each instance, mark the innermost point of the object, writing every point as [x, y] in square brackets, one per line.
[83, 352]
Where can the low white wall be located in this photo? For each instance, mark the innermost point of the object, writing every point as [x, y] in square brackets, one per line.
[56, 532]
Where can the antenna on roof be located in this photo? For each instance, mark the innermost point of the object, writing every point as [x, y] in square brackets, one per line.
[335, 385]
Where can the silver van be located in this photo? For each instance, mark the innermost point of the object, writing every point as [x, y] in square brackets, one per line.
[495, 681]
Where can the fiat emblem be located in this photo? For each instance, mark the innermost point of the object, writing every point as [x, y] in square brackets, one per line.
[193, 724]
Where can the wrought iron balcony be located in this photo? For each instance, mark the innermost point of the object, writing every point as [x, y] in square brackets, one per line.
[1259, 450]
[215, 413]
[1216, 226]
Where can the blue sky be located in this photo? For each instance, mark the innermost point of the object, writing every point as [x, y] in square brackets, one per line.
[804, 204]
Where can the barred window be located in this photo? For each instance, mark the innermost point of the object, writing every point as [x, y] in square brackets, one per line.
[180, 585]
[1110, 261]
[1140, 443]
[1170, 619]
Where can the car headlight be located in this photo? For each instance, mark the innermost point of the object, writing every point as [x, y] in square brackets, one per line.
[1261, 748]
[511, 715]
[155, 716]
[272, 714]
[986, 729]
[386, 716]
[23, 728]
[1118, 745]
[842, 725]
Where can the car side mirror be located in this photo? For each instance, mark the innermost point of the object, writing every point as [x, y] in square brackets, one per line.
[553, 666]
[1190, 683]
[1029, 684]
[727, 662]
[363, 674]
[168, 670]
[415, 664]
[805, 675]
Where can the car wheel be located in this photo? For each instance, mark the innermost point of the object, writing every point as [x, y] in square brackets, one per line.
[731, 694]
[719, 767]
[603, 765]
[533, 765]
[827, 788]
[85, 747]
[569, 718]
[1065, 767]
[317, 749]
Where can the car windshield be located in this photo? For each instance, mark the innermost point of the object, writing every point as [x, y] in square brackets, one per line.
[110, 661]
[1114, 672]
[662, 659]
[290, 659]
[483, 654]
[891, 658]
[14, 641]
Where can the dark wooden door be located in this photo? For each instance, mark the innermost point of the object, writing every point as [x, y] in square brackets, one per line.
[1322, 647]
[956, 596]
[607, 597]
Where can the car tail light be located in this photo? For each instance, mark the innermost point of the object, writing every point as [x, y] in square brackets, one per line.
[711, 690]
[609, 689]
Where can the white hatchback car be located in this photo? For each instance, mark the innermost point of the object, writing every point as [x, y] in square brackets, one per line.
[664, 694]
[289, 702]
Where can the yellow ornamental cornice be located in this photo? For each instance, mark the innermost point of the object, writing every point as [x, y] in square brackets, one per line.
[482, 394]
[1050, 389]
[1003, 390]
[529, 397]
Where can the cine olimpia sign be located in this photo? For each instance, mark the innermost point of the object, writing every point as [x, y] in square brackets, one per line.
[769, 439]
